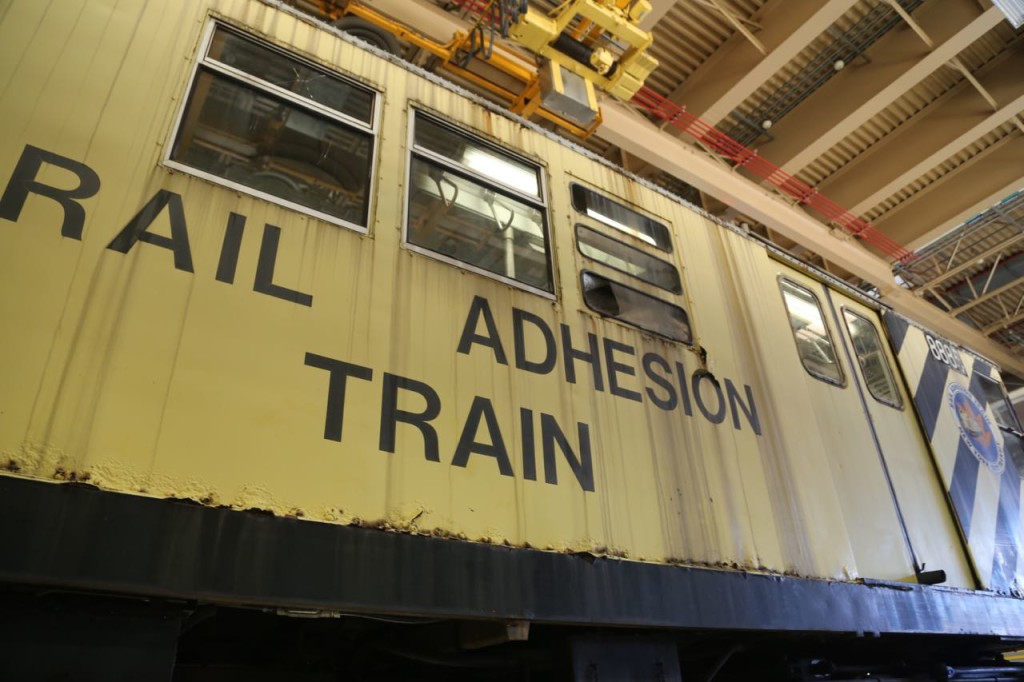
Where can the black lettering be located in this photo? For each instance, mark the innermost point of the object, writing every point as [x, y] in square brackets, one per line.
[482, 407]
[23, 182]
[749, 409]
[230, 248]
[582, 468]
[671, 400]
[480, 308]
[340, 372]
[136, 229]
[390, 415]
[529, 444]
[718, 416]
[593, 358]
[519, 317]
[615, 368]
[265, 266]
[684, 392]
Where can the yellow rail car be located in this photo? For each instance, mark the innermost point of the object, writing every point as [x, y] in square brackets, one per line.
[311, 330]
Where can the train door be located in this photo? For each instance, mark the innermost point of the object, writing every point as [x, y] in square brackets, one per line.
[976, 444]
[915, 483]
[870, 517]
[893, 505]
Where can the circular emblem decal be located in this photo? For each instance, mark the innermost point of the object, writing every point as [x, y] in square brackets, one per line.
[976, 429]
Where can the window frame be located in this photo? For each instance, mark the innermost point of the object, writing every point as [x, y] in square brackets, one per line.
[541, 201]
[686, 314]
[678, 291]
[842, 383]
[607, 196]
[1003, 398]
[890, 369]
[1013, 443]
[203, 62]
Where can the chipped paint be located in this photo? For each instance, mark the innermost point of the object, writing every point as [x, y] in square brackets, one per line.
[38, 460]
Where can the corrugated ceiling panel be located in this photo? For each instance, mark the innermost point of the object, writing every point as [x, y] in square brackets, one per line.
[687, 35]
[784, 78]
[943, 169]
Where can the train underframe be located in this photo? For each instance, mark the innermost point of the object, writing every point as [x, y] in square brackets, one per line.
[108, 586]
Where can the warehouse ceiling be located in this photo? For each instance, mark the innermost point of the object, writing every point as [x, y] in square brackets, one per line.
[909, 113]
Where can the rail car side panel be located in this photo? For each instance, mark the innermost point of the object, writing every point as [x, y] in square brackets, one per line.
[979, 465]
[827, 437]
[359, 382]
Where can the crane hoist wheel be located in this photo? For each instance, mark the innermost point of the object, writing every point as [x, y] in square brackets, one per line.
[367, 32]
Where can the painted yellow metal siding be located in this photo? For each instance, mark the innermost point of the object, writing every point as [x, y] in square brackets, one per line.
[147, 379]
[918, 489]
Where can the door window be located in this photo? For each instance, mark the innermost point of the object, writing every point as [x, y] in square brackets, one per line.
[874, 364]
[813, 339]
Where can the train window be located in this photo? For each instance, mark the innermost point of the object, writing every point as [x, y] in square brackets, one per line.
[477, 206]
[627, 259]
[1007, 420]
[629, 305]
[615, 215]
[268, 122]
[813, 339]
[996, 400]
[874, 365]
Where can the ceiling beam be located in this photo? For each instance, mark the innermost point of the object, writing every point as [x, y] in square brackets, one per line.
[951, 273]
[988, 296]
[659, 8]
[736, 22]
[860, 91]
[626, 129]
[944, 128]
[738, 68]
[958, 196]
[426, 18]
[638, 137]
[1004, 324]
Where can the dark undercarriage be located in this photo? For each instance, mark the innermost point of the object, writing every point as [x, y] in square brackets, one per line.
[107, 586]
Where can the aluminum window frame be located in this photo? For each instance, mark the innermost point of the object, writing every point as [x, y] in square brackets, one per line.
[1003, 398]
[626, 230]
[842, 382]
[204, 63]
[678, 291]
[541, 201]
[882, 346]
[1013, 442]
[643, 294]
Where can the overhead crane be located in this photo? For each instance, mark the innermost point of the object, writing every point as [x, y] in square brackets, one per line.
[581, 47]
